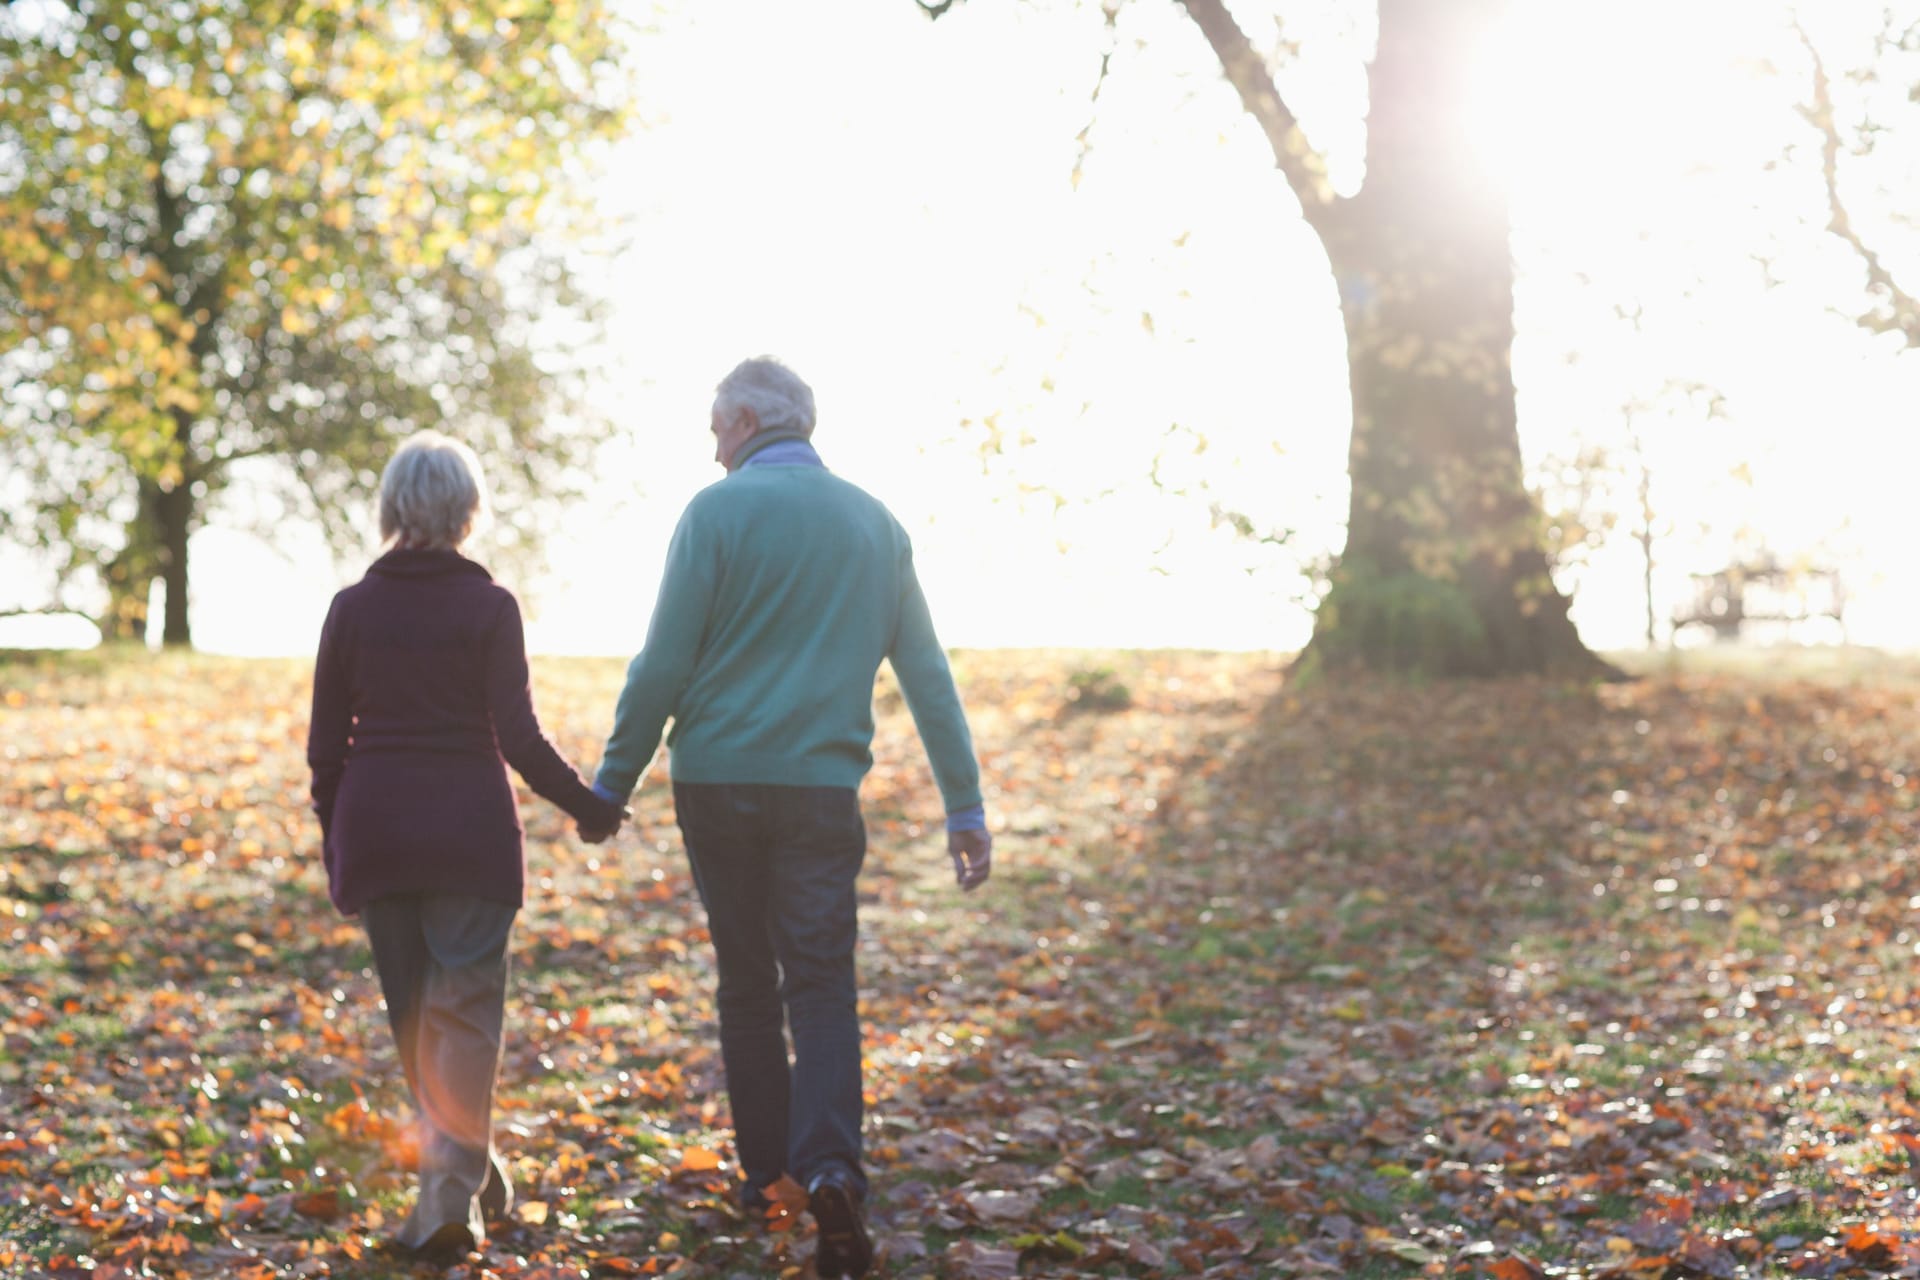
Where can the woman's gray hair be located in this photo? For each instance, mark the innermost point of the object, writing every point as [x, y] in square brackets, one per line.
[775, 393]
[432, 493]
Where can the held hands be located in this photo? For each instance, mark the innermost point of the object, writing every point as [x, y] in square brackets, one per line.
[600, 832]
[972, 853]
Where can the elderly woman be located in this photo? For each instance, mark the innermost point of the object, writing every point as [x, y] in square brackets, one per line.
[420, 702]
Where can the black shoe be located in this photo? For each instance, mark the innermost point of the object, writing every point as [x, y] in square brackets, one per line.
[845, 1247]
[496, 1193]
[449, 1244]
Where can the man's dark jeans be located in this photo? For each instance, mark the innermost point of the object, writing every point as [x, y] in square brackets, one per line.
[775, 867]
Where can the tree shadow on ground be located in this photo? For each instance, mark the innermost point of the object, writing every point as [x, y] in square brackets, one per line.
[1443, 975]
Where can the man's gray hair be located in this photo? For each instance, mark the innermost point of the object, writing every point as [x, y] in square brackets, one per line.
[776, 394]
[432, 492]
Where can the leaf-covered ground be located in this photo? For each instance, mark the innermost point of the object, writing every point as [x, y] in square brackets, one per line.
[1494, 979]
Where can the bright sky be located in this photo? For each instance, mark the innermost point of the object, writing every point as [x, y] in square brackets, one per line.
[888, 205]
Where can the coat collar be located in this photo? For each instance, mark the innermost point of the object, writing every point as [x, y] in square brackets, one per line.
[415, 562]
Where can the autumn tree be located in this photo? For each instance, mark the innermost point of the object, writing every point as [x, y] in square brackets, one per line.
[285, 230]
[1445, 568]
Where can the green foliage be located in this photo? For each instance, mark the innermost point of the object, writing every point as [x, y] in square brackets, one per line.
[1404, 622]
[1096, 689]
[283, 231]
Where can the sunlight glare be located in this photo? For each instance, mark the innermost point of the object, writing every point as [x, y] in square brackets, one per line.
[1568, 95]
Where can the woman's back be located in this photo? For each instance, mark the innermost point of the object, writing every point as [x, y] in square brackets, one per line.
[414, 636]
[420, 701]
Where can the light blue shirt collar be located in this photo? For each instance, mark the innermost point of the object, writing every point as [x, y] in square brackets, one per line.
[788, 453]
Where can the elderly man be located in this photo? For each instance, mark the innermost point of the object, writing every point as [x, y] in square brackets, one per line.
[785, 587]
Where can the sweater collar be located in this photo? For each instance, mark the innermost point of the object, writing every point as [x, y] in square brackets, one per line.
[774, 448]
[420, 562]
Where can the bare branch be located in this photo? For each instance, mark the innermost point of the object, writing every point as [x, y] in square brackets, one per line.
[48, 611]
[1902, 309]
[1304, 168]
[1085, 137]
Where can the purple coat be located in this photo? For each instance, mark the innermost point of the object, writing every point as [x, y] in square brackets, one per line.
[420, 701]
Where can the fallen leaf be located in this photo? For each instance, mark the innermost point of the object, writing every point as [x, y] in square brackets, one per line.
[324, 1205]
[1001, 1206]
[698, 1160]
[970, 1261]
[1516, 1267]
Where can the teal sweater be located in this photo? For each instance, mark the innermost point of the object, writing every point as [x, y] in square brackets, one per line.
[785, 587]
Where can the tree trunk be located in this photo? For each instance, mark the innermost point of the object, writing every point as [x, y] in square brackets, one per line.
[1445, 570]
[130, 574]
[155, 550]
[128, 590]
[175, 512]
[1646, 546]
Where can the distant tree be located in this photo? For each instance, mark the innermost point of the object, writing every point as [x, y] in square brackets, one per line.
[1625, 476]
[1445, 567]
[1603, 488]
[287, 230]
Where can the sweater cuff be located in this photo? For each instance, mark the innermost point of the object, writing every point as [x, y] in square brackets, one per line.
[971, 818]
[607, 794]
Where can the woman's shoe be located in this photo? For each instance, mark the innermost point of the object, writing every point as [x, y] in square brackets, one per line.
[449, 1243]
[496, 1193]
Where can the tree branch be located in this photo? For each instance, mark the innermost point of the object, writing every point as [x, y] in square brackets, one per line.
[1902, 314]
[1085, 138]
[1304, 168]
[48, 611]
[218, 461]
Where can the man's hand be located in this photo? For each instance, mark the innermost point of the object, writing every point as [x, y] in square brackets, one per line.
[599, 833]
[972, 853]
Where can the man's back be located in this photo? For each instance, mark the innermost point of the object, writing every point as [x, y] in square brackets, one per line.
[785, 589]
[804, 610]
